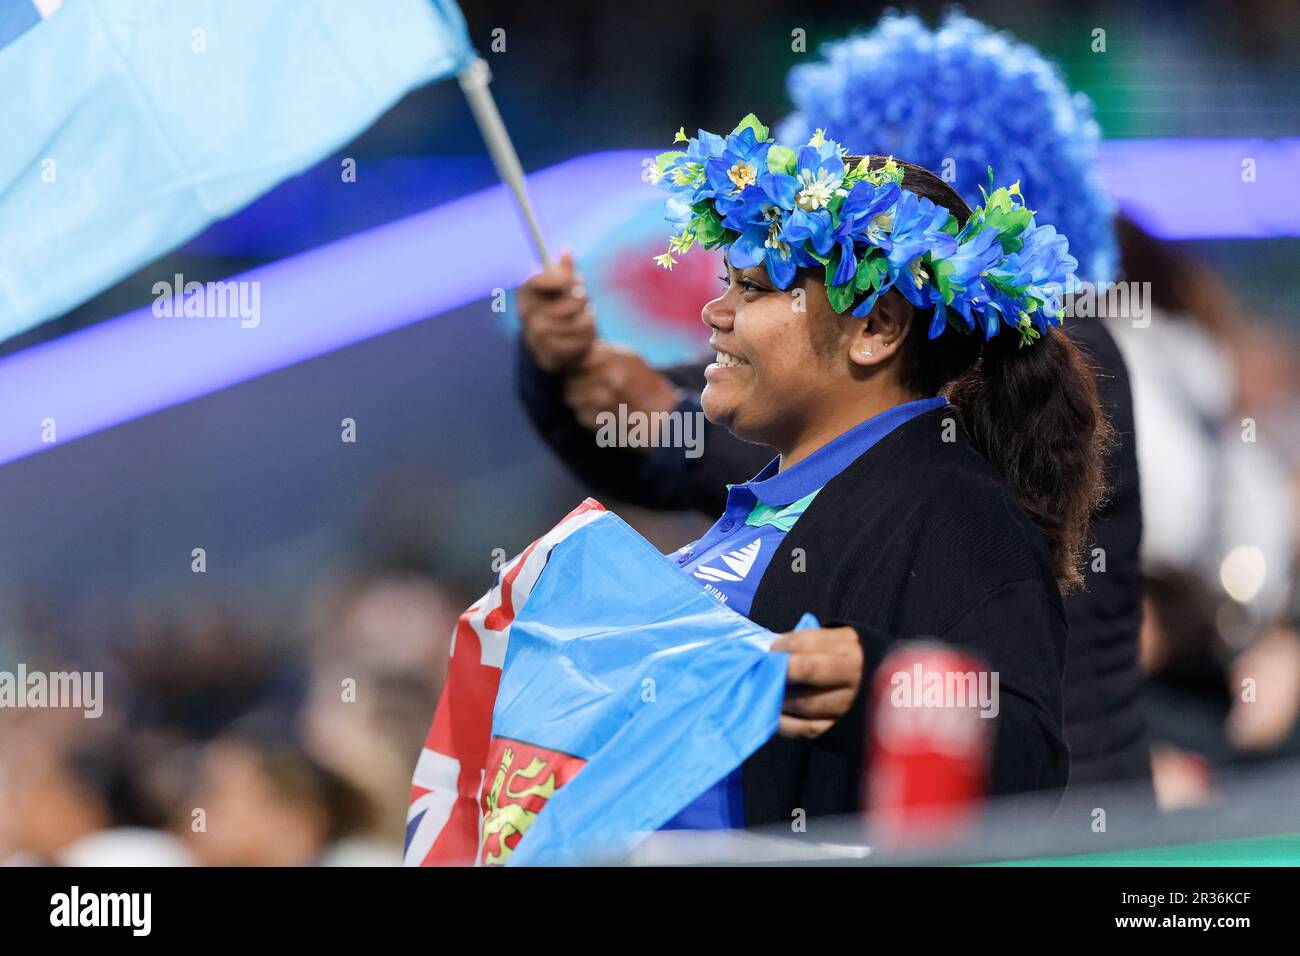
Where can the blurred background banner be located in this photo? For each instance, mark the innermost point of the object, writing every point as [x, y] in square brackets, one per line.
[431, 262]
[260, 531]
[306, 305]
[130, 126]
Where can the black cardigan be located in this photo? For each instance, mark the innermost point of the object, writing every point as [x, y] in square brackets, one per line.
[1105, 722]
[920, 537]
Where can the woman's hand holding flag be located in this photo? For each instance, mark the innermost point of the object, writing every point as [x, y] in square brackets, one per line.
[822, 678]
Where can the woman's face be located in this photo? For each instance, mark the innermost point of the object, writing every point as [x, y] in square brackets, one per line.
[770, 377]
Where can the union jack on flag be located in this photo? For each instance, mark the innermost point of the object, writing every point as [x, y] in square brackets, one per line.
[445, 820]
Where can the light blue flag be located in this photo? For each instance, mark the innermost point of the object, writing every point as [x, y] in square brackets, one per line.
[619, 660]
[127, 126]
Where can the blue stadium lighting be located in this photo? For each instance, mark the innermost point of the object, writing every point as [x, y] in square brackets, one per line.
[457, 253]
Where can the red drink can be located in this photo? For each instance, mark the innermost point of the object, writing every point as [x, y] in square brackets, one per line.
[933, 712]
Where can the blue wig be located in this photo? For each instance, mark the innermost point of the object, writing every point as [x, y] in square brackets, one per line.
[958, 100]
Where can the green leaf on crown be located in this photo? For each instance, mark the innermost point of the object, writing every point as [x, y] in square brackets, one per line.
[782, 159]
[751, 122]
[664, 160]
[1009, 290]
[840, 296]
[834, 206]
[942, 271]
[1027, 331]
[871, 271]
[859, 171]
[1013, 223]
[726, 238]
[808, 248]
[708, 227]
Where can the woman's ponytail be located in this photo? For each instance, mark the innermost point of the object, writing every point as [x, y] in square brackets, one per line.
[1032, 411]
[1035, 414]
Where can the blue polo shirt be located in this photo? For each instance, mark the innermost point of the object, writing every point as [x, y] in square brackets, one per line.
[731, 557]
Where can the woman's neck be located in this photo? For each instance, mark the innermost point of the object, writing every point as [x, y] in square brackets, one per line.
[836, 419]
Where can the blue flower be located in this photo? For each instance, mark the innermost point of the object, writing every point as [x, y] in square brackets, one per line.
[819, 178]
[800, 213]
[864, 204]
[684, 178]
[866, 216]
[966, 268]
[758, 216]
[768, 199]
[939, 322]
[1000, 306]
[761, 242]
[742, 160]
[974, 256]
[1044, 268]
[705, 146]
[918, 228]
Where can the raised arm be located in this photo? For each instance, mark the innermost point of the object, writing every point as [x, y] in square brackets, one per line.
[565, 377]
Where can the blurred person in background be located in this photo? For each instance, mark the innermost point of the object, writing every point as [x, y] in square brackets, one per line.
[1219, 549]
[263, 800]
[78, 791]
[194, 669]
[69, 801]
[120, 790]
[939, 99]
[378, 659]
[1211, 477]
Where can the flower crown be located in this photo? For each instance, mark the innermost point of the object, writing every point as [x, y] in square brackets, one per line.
[786, 208]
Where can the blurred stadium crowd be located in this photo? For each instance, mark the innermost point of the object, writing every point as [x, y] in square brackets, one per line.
[234, 749]
[1217, 404]
[237, 741]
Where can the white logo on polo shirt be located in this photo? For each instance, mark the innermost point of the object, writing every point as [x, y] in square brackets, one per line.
[740, 561]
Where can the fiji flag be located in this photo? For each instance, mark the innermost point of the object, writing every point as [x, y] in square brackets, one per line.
[130, 125]
[593, 693]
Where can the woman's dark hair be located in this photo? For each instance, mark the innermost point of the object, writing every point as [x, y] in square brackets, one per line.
[1033, 411]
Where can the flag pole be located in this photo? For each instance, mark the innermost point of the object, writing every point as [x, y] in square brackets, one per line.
[474, 80]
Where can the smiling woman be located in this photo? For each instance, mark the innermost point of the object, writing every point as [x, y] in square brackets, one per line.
[939, 443]
[939, 446]
[812, 363]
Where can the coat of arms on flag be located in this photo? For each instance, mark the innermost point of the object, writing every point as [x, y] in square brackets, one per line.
[593, 692]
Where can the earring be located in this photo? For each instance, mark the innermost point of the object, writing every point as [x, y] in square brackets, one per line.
[866, 353]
